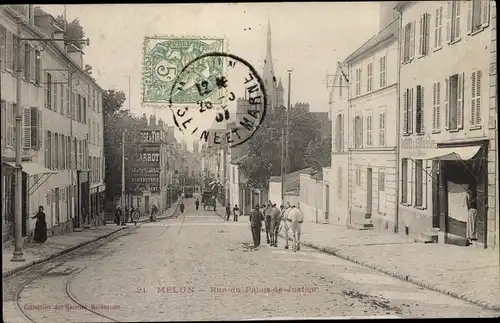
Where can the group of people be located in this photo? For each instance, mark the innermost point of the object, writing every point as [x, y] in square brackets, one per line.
[131, 215]
[271, 217]
[236, 212]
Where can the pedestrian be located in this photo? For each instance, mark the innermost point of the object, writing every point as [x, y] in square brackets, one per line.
[182, 207]
[132, 210]
[267, 213]
[256, 219]
[236, 212]
[154, 212]
[40, 234]
[118, 215]
[197, 204]
[471, 203]
[228, 211]
[127, 214]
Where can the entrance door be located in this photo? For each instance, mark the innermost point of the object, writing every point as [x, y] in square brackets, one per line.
[381, 191]
[435, 194]
[369, 191]
[327, 201]
[146, 204]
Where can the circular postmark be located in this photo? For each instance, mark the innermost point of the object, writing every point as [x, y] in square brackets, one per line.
[219, 117]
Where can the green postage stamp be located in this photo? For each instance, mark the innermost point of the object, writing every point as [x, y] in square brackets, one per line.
[165, 57]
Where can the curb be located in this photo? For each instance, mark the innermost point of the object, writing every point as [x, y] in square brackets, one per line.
[57, 254]
[337, 253]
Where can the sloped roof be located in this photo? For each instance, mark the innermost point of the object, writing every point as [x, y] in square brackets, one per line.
[291, 181]
[239, 160]
[390, 31]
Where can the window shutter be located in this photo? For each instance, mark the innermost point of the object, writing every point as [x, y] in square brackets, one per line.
[421, 36]
[405, 112]
[46, 89]
[469, 16]
[478, 97]
[403, 44]
[448, 22]
[460, 101]
[447, 104]
[26, 133]
[32, 65]
[438, 109]
[61, 97]
[458, 5]
[361, 132]
[412, 39]
[409, 196]
[436, 29]
[434, 106]
[427, 31]
[440, 26]
[422, 110]
[54, 96]
[53, 151]
[9, 44]
[10, 123]
[485, 11]
[410, 111]
[3, 120]
[424, 183]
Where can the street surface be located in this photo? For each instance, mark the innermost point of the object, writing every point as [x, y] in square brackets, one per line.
[198, 267]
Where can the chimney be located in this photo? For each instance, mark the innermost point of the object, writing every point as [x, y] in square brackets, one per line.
[387, 14]
[59, 34]
[31, 10]
[76, 54]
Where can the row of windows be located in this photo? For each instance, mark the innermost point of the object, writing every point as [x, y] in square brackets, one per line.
[31, 125]
[382, 81]
[59, 202]
[414, 183]
[367, 141]
[454, 104]
[64, 152]
[94, 132]
[477, 18]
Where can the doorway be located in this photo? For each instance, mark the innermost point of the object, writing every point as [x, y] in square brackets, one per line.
[146, 204]
[369, 191]
[381, 191]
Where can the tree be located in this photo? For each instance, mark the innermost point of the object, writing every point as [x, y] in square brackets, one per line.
[74, 31]
[264, 156]
[115, 122]
[318, 153]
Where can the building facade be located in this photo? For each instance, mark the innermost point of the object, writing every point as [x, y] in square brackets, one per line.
[448, 135]
[372, 105]
[61, 103]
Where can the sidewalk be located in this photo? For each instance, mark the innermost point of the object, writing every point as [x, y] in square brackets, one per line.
[58, 245]
[470, 274]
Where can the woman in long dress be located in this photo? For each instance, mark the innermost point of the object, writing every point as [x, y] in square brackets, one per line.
[40, 226]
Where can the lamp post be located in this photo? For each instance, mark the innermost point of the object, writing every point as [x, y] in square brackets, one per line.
[123, 176]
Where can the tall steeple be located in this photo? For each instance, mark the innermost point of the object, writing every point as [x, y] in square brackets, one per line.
[268, 75]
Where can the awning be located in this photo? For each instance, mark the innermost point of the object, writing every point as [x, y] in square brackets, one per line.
[454, 153]
[32, 169]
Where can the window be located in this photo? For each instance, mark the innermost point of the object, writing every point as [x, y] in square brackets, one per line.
[73, 105]
[9, 51]
[339, 133]
[358, 81]
[475, 113]
[68, 153]
[27, 61]
[408, 42]
[382, 129]
[67, 102]
[75, 153]
[419, 117]
[369, 130]
[54, 96]
[55, 151]
[48, 91]
[61, 95]
[420, 184]
[233, 174]
[383, 71]
[438, 28]
[63, 151]
[3, 120]
[453, 23]
[84, 110]
[369, 80]
[79, 108]
[358, 176]
[454, 102]
[478, 15]
[48, 150]
[408, 111]
[339, 183]
[10, 122]
[38, 67]
[423, 40]
[99, 101]
[98, 135]
[358, 132]
[404, 180]
[436, 106]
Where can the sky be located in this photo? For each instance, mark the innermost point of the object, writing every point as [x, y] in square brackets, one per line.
[309, 38]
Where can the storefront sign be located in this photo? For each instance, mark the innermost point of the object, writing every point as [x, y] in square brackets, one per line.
[145, 173]
[150, 136]
[418, 143]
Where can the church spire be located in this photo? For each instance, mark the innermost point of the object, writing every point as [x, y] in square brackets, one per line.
[268, 75]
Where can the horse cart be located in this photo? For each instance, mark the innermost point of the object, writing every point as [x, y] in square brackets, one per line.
[208, 200]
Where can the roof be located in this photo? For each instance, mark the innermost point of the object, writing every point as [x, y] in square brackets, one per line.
[291, 181]
[386, 33]
[239, 160]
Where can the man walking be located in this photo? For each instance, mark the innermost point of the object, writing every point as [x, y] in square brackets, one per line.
[267, 214]
[256, 219]
[236, 212]
[228, 211]
[197, 204]
[118, 215]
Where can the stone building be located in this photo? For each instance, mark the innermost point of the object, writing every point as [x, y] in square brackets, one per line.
[448, 137]
[62, 143]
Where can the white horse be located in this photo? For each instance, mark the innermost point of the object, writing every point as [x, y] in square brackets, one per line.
[292, 220]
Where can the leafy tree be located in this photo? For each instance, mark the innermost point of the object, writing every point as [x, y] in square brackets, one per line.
[318, 153]
[264, 156]
[74, 31]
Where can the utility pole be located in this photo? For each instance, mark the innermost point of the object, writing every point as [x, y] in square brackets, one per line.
[287, 170]
[123, 173]
[282, 165]
[18, 250]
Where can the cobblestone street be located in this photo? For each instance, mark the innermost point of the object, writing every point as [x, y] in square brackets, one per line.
[197, 267]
